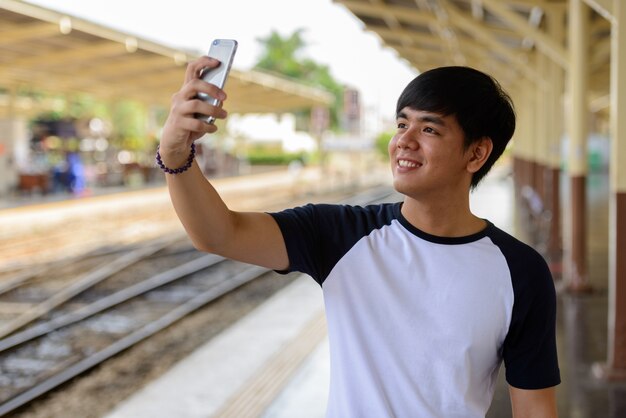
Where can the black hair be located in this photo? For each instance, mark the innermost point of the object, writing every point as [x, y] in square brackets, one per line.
[480, 105]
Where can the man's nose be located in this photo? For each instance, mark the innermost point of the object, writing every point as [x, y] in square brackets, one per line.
[407, 140]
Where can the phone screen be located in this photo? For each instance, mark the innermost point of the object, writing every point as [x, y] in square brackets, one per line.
[224, 51]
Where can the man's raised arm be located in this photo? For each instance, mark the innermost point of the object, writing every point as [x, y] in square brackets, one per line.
[245, 236]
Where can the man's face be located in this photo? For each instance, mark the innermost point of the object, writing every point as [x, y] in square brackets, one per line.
[427, 154]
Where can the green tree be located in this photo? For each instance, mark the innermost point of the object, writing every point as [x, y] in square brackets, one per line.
[281, 54]
[129, 121]
[285, 56]
[382, 143]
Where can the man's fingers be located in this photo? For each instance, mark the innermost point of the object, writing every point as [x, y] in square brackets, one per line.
[194, 68]
[196, 126]
[188, 108]
[191, 89]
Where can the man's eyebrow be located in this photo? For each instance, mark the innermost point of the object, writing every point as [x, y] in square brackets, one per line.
[432, 119]
[424, 118]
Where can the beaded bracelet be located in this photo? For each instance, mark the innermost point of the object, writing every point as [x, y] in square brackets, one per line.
[182, 169]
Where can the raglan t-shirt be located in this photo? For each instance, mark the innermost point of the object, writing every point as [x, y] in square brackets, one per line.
[419, 324]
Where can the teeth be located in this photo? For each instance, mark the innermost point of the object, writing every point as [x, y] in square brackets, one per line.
[405, 163]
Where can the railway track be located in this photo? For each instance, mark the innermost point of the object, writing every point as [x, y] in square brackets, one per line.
[18, 252]
[72, 315]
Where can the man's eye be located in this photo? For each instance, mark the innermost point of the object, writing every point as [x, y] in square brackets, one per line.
[430, 130]
[401, 125]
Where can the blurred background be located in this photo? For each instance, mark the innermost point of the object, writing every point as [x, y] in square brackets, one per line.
[85, 88]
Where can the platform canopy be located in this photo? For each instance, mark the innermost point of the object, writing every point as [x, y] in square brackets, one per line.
[42, 50]
[500, 37]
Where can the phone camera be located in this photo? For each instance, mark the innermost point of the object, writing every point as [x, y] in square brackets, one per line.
[216, 42]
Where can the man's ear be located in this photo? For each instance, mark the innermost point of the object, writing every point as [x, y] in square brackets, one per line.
[479, 152]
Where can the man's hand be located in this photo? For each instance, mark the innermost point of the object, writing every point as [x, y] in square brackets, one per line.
[181, 127]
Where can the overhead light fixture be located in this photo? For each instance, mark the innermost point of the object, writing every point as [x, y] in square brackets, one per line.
[65, 25]
[131, 44]
[180, 58]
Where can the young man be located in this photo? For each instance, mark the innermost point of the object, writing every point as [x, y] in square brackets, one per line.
[424, 300]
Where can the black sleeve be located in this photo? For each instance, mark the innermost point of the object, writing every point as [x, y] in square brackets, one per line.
[303, 239]
[318, 235]
[529, 351]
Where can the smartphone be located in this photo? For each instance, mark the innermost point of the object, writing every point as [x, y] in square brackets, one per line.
[224, 51]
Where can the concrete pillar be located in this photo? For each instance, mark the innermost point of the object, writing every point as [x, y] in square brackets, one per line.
[616, 364]
[576, 272]
[528, 134]
[13, 151]
[524, 152]
[555, 21]
[542, 122]
[517, 146]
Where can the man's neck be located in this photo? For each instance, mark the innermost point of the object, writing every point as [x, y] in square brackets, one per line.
[443, 218]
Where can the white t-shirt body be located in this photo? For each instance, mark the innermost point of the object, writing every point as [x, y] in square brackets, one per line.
[418, 324]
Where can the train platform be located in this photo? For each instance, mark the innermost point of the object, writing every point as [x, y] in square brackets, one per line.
[26, 213]
[44, 228]
[274, 363]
